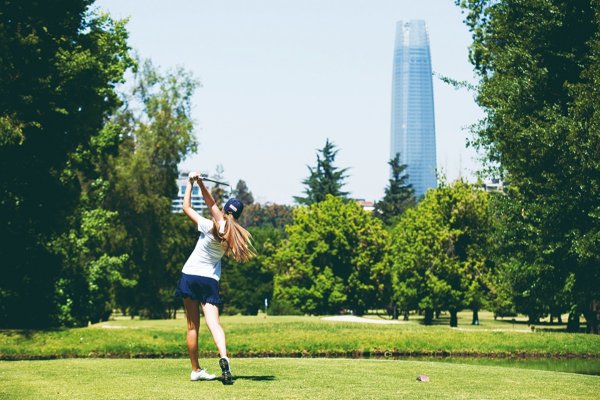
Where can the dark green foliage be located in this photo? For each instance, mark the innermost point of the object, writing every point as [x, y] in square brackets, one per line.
[157, 134]
[242, 193]
[244, 286]
[332, 259]
[399, 195]
[267, 215]
[538, 61]
[324, 179]
[58, 69]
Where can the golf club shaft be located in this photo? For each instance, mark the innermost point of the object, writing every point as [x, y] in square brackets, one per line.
[213, 181]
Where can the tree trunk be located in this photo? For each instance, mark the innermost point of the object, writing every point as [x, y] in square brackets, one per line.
[428, 316]
[453, 318]
[573, 322]
[405, 316]
[592, 318]
[560, 319]
[475, 317]
[437, 314]
[395, 311]
[551, 319]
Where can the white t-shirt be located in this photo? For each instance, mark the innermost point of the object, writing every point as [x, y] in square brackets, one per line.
[205, 260]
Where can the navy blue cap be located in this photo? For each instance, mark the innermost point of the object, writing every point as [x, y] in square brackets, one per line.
[234, 207]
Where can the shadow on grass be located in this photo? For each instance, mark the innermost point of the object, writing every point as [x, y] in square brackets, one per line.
[443, 320]
[258, 378]
[28, 333]
[543, 326]
[255, 378]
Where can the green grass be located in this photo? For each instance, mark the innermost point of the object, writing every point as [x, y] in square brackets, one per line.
[299, 336]
[285, 379]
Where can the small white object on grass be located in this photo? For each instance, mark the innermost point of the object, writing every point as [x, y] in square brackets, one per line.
[423, 378]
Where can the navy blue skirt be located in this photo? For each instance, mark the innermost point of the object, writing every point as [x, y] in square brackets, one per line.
[201, 288]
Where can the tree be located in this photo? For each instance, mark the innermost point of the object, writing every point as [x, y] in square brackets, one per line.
[57, 79]
[438, 254]
[399, 195]
[242, 193]
[217, 191]
[267, 215]
[245, 286]
[323, 179]
[331, 260]
[539, 92]
[157, 131]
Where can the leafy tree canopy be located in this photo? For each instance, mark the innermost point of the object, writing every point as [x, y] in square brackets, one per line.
[538, 66]
[438, 251]
[332, 259]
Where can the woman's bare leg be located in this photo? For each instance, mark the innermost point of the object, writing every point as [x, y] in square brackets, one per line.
[211, 315]
[192, 312]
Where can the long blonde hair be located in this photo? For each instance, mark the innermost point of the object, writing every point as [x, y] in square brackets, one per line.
[237, 240]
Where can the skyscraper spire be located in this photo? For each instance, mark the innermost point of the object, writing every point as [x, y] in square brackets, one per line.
[413, 125]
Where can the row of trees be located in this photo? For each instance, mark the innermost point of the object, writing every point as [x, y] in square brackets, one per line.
[431, 256]
[534, 248]
[89, 167]
[447, 252]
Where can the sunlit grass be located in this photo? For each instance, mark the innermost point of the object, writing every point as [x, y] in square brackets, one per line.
[299, 336]
[285, 379]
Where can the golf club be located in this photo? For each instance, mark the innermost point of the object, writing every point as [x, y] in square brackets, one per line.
[213, 181]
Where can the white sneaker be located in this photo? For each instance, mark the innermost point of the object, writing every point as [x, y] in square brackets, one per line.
[201, 375]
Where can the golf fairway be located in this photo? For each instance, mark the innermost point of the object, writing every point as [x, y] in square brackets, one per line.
[284, 378]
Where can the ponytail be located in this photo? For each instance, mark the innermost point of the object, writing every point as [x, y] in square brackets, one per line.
[237, 240]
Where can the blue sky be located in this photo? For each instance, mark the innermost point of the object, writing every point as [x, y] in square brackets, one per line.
[280, 76]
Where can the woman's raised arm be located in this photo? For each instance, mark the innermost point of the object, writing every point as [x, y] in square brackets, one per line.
[210, 202]
[187, 199]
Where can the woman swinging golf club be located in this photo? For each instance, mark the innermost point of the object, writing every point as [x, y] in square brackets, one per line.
[199, 282]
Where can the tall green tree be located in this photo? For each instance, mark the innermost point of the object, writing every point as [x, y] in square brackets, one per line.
[325, 178]
[242, 193]
[60, 65]
[538, 66]
[438, 253]
[332, 259]
[399, 194]
[218, 191]
[157, 130]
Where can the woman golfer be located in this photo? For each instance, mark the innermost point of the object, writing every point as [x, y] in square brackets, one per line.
[199, 282]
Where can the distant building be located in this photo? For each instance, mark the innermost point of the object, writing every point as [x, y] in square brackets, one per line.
[413, 125]
[197, 200]
[366, 205]
[494, 185]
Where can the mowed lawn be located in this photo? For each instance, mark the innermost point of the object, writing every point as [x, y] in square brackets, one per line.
[284, 378]
[301, 336]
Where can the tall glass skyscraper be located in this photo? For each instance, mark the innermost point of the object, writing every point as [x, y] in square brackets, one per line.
[413, 125]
